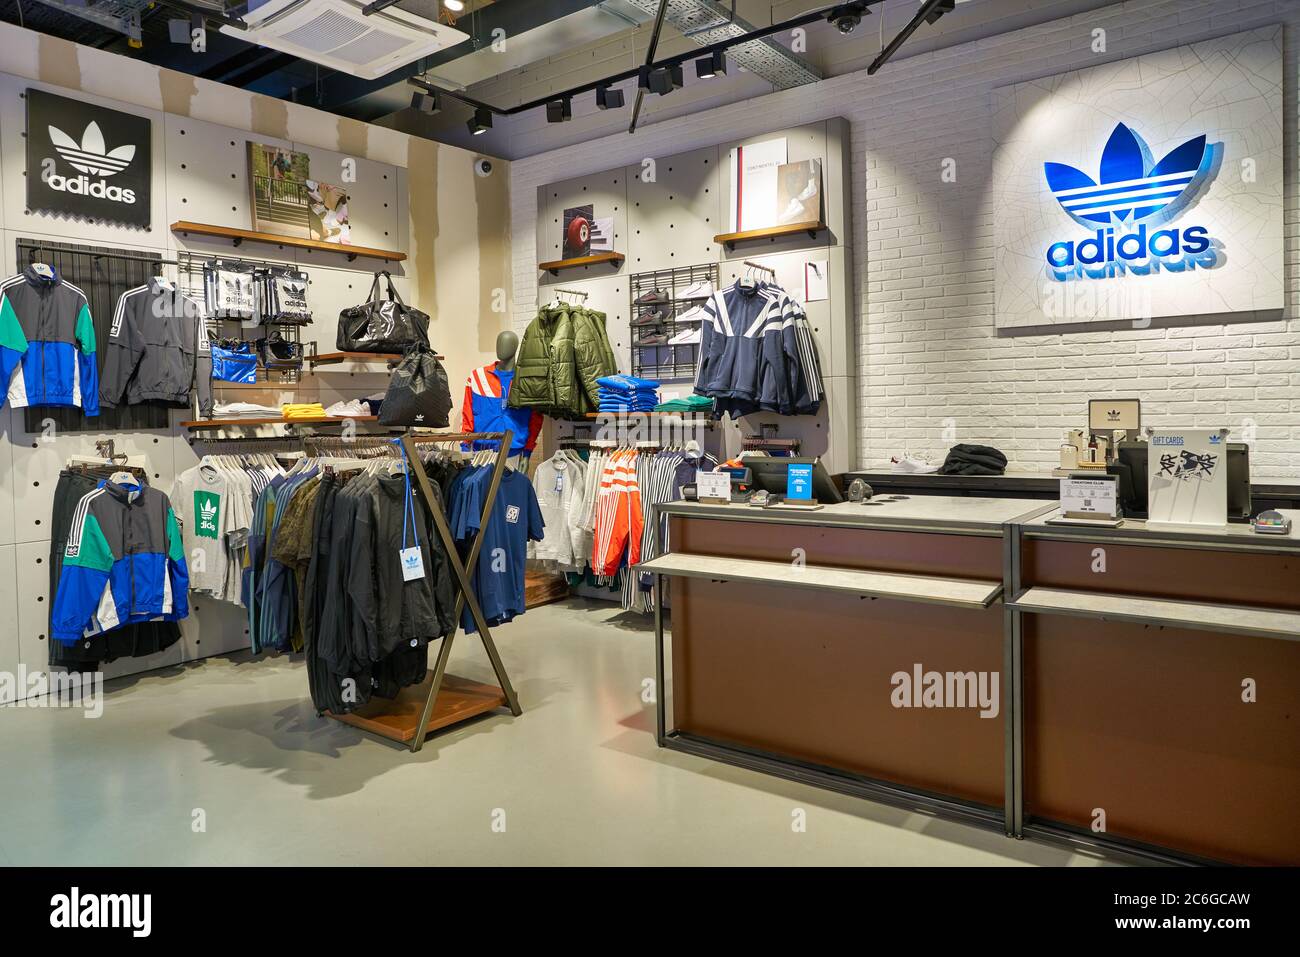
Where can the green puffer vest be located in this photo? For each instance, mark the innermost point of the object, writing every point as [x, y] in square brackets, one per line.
[563, 352]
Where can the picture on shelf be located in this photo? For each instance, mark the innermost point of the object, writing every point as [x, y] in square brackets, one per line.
[799, 192]
[328, 208]
[577, 231]
[277, 179]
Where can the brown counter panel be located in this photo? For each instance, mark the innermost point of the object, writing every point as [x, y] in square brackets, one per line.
[807, 675]
[1148, 723]
[1224, 577]
[954, 556]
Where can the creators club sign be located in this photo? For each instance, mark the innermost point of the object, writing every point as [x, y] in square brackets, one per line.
[87, 162]
[1130, 209]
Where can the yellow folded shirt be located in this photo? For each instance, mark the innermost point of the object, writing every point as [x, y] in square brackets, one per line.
[303, 410]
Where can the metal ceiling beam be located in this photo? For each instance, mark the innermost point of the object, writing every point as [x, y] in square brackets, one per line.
[927, 9]
[122, 16]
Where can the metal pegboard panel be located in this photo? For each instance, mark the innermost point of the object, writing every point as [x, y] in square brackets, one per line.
[38, 459]
[372, 194]
[674, 211]
[9, 641]
[13, 161]
[8, 480]
[206, 172]
[213, 628]
[32, 574]
[607, 194]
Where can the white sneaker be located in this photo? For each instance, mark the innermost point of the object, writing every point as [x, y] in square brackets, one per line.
[700, 290]
[909, 463]
[686, 337]
[692, 315]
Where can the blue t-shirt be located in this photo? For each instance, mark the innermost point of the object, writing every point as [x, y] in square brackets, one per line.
[515, 520]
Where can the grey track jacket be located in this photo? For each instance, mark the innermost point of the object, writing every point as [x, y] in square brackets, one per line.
[157, 350]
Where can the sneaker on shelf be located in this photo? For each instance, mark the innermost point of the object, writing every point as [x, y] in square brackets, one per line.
[686, 337]
[910, 463]
[653, 297]
[652, 317]
[652, 337]
[700, 290]
[694, 314]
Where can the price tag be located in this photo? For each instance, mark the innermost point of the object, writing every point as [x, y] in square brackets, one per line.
[713, 485]
[1098, 497]
[412, 563]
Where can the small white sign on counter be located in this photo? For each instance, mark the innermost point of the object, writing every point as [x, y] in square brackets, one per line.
[713, 485]
[1090, 496]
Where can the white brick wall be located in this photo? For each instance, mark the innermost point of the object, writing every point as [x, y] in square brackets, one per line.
[931, 365]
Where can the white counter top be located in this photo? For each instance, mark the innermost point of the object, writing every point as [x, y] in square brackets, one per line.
[966, 513]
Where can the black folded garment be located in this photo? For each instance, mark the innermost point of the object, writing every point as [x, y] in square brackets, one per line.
[973, 460]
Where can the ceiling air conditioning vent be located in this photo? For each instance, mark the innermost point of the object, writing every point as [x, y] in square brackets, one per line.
[334, 33]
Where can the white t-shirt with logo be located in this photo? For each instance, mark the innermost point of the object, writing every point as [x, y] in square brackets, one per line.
[201, 497]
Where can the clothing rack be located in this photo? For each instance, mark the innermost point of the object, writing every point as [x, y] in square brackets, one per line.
[761, 268]
[573, 292]
[415, 712]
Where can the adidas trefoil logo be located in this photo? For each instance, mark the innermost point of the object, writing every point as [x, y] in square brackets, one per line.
[1130, 188]
[91, 157]
[208, 516]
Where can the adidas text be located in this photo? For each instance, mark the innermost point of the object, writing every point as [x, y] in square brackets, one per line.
[83, 185]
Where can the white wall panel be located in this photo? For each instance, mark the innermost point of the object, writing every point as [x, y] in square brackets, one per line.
[607, 193]
[206, 173]
[33, 603]
[9, 641]
[673, 219]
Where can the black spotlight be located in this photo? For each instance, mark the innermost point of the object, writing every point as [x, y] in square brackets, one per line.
[426, 102]
[608, 98]
[559, 111]
[666, 79]
[715, 64]
[480, 122]
[945, 6]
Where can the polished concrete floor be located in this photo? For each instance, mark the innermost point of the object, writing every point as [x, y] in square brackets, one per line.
[577, 779]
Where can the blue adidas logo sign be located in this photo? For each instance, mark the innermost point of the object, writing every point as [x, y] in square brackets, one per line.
[1126, 206]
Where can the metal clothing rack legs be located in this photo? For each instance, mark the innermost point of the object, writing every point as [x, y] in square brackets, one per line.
[472, 699]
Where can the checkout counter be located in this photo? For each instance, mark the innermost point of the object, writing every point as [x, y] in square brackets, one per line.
[1147, 682]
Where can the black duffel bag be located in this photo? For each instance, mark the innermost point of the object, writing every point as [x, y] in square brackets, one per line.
[418, 393]
[382, 325]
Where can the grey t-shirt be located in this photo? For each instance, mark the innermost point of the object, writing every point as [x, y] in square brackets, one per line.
[201, 498]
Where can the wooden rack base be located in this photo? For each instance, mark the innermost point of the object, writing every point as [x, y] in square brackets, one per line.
[398, 719]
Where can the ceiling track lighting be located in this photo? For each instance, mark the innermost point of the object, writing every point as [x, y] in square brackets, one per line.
[559, 111]
[608, 98]
[455, 6]
[426, 103]
[942, 7]
[480, 122]
[715, 64]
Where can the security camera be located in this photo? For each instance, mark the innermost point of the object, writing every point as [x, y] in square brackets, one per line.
[848, 23]
[482, 167]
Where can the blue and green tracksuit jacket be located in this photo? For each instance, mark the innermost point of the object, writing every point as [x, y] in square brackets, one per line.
[124, 563]
[47, 343]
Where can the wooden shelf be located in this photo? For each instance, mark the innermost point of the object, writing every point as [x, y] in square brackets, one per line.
[614, 259]
[238, 236]
[459, 699]
[775, 232]
[959, 592]
[335, 358]
[200, 425]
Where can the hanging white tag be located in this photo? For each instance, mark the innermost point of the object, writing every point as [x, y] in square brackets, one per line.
[412, 563]
[43, 270]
